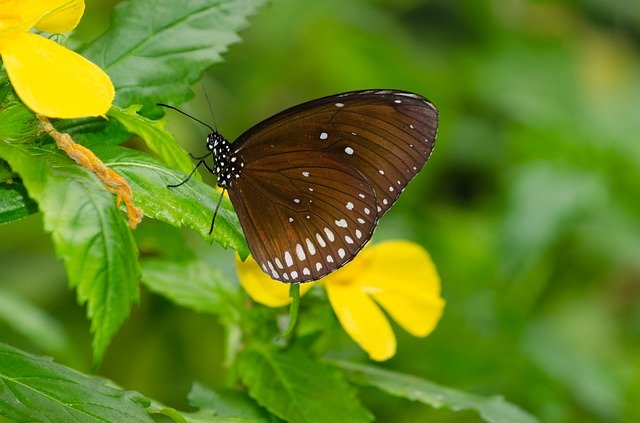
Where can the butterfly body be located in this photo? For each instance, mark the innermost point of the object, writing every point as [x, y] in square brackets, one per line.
[310, 183]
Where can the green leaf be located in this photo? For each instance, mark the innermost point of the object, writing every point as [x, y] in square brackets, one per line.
[89, 233]
[158, 139]
[225, 403]
[32, 323]
[155, 49]
[191, 204]
[34, 388]
[15, 203]
[192, 284]
[492, 409]
[297, 389]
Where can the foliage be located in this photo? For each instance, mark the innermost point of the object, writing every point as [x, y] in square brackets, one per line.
[528, 208]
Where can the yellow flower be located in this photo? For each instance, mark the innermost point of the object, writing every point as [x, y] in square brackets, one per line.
[399, 276]
[50, 79]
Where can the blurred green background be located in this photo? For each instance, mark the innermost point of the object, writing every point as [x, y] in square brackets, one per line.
[529, 205]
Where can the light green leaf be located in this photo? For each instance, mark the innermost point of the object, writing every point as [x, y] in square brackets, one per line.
[492, 409]
[158, 139]
[34, 388]
[191, 204]
[89, 233]
[156, 48]
[192, 284]
[31, 322]
[298, 389]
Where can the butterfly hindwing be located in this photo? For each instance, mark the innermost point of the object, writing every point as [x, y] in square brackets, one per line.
[306, 219]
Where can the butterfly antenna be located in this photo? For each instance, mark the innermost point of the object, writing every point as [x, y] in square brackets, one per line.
[215, 213]
[186, 114]
[206, 96]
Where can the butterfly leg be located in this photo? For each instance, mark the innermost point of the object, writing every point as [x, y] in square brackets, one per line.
[200, 162]
[215, 213]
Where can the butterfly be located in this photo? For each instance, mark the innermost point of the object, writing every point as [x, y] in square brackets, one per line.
[310, 183]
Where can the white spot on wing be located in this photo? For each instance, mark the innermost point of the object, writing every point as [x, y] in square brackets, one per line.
[324, 135]
[361, 221]
[305, 174]
[279, 263]
[310, 246]
[306, 271]
[329, 259]
[348, 150]
[288, 259]
[348, 239]
[349, 205]
[358, 234]
[330, 236]
[294, 274]
[341, 252]
[321, 241]
[341, 223]
[366, 210]
[296, 200]
[318, 266]
[339, 105]
[300, 252]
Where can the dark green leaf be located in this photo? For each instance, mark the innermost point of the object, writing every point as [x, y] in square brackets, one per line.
[191, 204]
[34, 388]
[227, 403]
[298, 389]
[89, 233]
[491, 409]
[156, 48]
[15, 202]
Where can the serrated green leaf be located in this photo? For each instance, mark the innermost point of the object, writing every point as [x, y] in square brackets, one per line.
[492, 409]
[158, 139]
[155, 49]
[296, 388]
[34, 388]
[192, 284]
[15, 203]
[89, 233]
[191, 204]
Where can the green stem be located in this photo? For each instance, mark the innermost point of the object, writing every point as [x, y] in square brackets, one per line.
[294, 293]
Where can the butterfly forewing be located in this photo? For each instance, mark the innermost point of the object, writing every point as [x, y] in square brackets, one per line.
[306, 219]
[386, 135]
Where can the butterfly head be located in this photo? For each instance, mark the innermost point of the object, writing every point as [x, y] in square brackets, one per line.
[227, 165]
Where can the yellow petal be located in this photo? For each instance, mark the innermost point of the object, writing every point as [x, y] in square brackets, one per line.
[54, 81]
[361, 318]
[261, 288]
[60, 16]
[47, 15]
[401, 277]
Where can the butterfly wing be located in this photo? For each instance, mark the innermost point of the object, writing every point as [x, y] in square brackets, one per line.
[317, 177]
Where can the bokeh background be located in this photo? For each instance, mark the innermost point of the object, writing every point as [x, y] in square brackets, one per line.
[529, 205]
